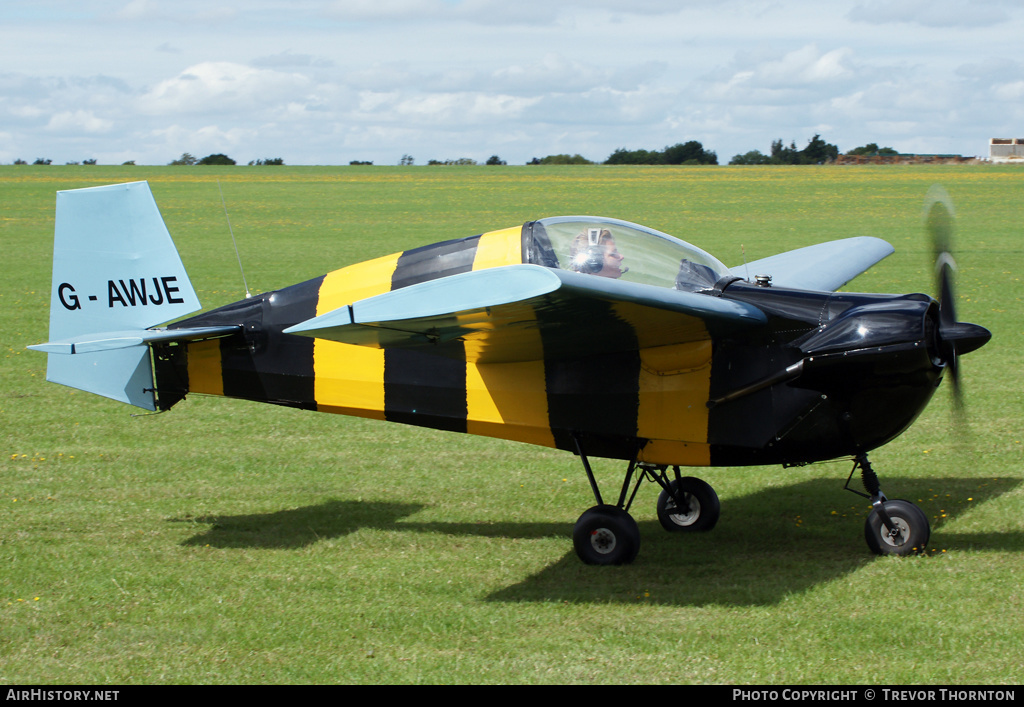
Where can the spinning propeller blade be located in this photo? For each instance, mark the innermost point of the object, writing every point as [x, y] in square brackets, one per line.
[954, 338]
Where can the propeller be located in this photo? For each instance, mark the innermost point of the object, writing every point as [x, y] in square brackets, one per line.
[954, 338]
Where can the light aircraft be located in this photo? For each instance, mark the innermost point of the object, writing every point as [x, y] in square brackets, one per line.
[593, 335]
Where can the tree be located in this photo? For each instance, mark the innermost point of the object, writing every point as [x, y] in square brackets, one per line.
[691, 152]
[872, 149]
[185, 159]
[217, 159]
[495, 160]
[40, 160]
[784, 155]
[624, 156]
[269, 161]
[817, 152]
[560, 159]
[460, 162]
[407, 161]
[752, 157]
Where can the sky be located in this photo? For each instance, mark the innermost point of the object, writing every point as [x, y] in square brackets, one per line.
[332, 81]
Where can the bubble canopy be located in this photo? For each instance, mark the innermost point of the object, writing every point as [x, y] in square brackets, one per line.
[620, 250]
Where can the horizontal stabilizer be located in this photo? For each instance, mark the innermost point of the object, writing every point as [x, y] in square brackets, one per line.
[824, 267]
[528, 312]
[110, 340]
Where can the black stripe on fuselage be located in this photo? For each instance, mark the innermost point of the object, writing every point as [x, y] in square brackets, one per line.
[594, 399]
[420, 388]
[261, 363]
[283, 372]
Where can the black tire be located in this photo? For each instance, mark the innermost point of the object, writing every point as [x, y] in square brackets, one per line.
[911, 524]
[703, 510]
[606, 535]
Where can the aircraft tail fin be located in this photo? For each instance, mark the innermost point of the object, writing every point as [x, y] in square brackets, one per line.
[116, 273]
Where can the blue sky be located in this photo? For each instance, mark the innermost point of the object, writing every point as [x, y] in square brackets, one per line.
[330, 81]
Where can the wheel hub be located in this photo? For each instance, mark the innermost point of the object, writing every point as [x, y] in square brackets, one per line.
[690, 515]
[899, 533]
[603, 540]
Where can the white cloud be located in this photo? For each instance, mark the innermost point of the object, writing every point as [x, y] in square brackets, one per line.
[138, 10]
[806, 68]
[311, 80]
[208, 139]
[290, 59]
[79, 121]
[1013, 91]
[556, 73]
[448, 109]
[219, 87]
[30, 112]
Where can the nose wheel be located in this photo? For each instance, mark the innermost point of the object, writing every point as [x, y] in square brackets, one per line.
[894, 527]
[906, 532]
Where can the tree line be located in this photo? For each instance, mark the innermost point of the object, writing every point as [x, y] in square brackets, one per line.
[817, 151]
[688, 153]
[222, 159]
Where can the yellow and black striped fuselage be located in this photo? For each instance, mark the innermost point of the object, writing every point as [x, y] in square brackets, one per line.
[653, 398]
[643, 402]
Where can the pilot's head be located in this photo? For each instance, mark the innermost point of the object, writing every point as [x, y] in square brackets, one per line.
[594, 253]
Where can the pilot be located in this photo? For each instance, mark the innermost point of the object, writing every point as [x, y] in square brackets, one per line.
[594, 252]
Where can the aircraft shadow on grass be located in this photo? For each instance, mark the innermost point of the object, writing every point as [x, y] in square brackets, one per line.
[768, 544]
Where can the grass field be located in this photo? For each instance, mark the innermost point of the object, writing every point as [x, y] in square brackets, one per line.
[228, 542]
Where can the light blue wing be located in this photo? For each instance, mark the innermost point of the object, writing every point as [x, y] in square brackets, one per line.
[825, 267]
[528, 312]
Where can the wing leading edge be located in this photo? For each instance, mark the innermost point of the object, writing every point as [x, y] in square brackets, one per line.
[528, 312]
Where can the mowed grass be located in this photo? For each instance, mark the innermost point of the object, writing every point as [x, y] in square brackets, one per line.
[229, 542]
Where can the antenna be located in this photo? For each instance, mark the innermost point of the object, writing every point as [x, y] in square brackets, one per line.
[232, 231]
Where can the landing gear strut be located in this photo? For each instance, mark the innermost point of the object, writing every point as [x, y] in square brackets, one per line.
[607, 535]
[894, 527]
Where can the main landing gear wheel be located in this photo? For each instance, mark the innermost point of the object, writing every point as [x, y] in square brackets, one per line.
[606, 535]
[909, 534]
[696, 510]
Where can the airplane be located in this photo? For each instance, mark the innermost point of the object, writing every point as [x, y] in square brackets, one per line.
[593, 335]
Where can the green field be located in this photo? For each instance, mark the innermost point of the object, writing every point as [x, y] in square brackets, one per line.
[229, 542]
